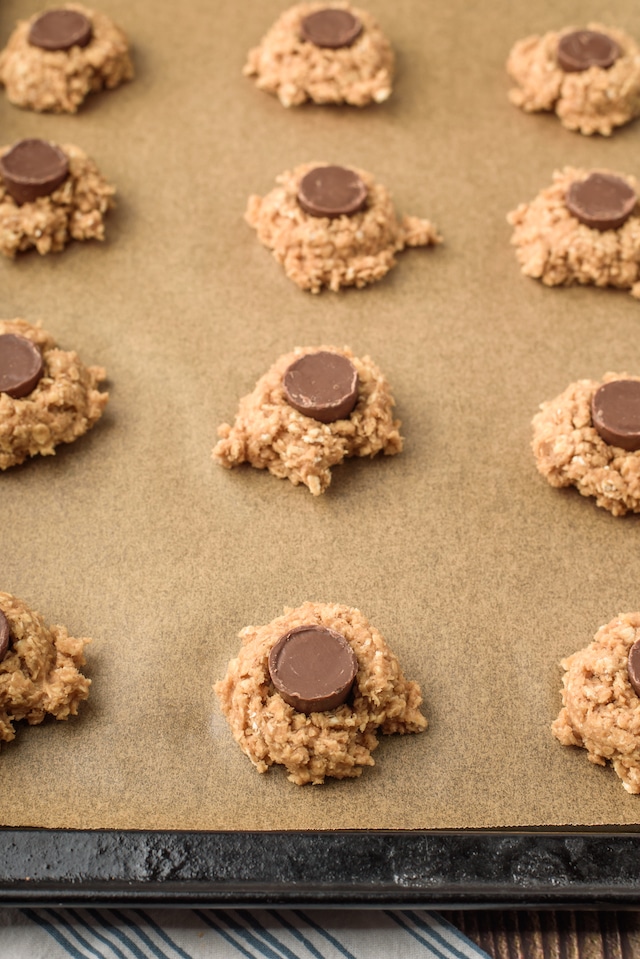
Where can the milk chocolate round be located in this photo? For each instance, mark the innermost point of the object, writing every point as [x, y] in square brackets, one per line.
[615, 413]
[602, 201]
[331, 28]
[322, 385]
[60, 30]
[33, 168]
[331, 191]
[313, 668]
[5, 635]
[582, 49]
[21, 365]
[633, 666]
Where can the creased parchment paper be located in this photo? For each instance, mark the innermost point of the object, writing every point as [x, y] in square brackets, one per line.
[480, 576]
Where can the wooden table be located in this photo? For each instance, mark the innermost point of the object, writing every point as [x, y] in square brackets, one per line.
[552, 935]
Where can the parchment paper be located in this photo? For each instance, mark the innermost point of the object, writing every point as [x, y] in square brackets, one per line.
[480, 575]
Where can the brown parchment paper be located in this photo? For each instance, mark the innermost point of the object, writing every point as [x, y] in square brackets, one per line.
[480, 575]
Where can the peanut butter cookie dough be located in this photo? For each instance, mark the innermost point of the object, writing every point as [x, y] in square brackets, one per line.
[47, 395]
[329, 55]
[571, 451]
[39, 668]
[552, 244]
[47, 211]
[601, 707]
[312, 745]
[334, 246]
[590, 78]
[54, 60]
[269, 433]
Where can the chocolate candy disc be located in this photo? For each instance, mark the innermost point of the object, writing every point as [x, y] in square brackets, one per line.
[331, 28]
[5, 635]
[21, 365]
[602, 201]
[331, 191]
[615, 412]
[313, 668]
[322, 385]
[633, 666]
[33, 168]
[60, 30]
[586, 48]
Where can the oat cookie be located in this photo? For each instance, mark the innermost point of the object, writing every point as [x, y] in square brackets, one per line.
[39, 668]
[296, 69]
[601, 709]
[552, 245]
[74, 210]
[592, 100]
[351, 249]
[570, 451]
[58, 80]
[268, 433]
[64, 403]
[338, 742]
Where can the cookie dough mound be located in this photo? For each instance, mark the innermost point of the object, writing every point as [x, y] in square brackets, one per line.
[296, 70]
[601, 710]
[63, 405]
[570, 452]
[74, 211]
[59, 80]
[553, 246]
[39, 675]
[335, 252]
[270, 434]
[338, 742]
[592, 101]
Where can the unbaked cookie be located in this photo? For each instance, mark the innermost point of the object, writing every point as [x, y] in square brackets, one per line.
[39, 668]
[329, 55]
[47, 395]
[336, 245]
[270, 433]
[601, 707]
[591, 78]
[66, 200]
[54, 60]
[570, 450]
[334, 742]
[554, 246]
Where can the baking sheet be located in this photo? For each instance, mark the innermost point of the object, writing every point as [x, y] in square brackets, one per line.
[362, 868]
[480, 575]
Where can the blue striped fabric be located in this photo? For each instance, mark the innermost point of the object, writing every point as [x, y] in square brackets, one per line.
[254, 934]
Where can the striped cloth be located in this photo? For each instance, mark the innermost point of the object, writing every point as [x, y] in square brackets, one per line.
[254, 934]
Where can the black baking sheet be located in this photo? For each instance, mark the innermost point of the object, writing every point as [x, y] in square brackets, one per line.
[179, 262]
[372, 869]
